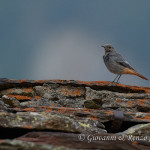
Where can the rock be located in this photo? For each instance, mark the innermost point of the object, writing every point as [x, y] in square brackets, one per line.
[94, 114]
[50, 121]
[119, 101]
[3, 106]
[139, 133]
[91, 104]
[142, 130]
[55, 110]
[22, 145]
[66, 96]
[18, 91]
[82, 141]
[39, 102]
[70, 91]
[55, 92]
[11, 101]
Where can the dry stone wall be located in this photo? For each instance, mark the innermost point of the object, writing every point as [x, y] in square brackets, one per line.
[55, 114]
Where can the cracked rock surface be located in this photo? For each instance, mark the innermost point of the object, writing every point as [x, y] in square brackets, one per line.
[69, 114]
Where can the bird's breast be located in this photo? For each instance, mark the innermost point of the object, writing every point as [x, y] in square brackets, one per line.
[106, 58]
[111, 65]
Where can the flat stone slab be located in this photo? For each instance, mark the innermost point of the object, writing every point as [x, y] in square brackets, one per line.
[84, 141]
[94, 114]
[105, 84]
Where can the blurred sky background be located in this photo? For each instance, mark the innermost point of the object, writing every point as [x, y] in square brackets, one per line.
[61, 39]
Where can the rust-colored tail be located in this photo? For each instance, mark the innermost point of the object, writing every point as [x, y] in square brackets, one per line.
[131, 71]
[139, 75]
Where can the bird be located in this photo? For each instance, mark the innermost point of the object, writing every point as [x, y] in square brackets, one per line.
[116, 64]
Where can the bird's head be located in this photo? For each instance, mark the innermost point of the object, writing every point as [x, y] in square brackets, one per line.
[108, 48]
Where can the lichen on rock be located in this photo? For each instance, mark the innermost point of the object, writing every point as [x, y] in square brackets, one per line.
[69, 108]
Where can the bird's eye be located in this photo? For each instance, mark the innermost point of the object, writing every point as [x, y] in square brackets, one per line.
[109, 47]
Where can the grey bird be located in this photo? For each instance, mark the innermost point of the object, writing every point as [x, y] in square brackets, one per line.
[116, 64]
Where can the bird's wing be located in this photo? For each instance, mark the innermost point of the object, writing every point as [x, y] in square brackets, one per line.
[120, 60]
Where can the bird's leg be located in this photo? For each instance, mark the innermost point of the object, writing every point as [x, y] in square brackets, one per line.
[115, 79]
[118, 78]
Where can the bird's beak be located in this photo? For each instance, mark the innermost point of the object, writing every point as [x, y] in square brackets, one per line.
[102, 46]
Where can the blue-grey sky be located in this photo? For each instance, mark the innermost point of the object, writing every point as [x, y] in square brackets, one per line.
[61, 39]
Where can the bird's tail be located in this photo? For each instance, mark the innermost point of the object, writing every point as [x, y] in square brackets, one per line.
[131, 71]
[141, 76]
